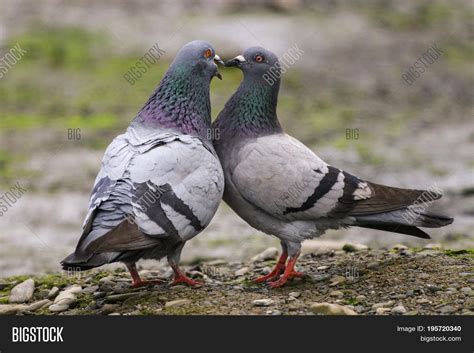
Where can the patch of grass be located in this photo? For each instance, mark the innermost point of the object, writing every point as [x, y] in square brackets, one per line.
[463, 252]
[54, 280]
[351, 301]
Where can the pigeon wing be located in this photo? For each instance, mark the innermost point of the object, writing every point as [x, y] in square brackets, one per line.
[280, 175]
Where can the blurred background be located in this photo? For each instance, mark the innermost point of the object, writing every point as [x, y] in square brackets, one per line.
[71, 78]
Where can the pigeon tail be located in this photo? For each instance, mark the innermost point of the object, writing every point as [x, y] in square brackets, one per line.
[82, 262]
[404, 222]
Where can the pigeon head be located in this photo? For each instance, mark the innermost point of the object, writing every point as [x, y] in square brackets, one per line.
[256, 62]
[200, 57]
[251, 111]
[181, 101]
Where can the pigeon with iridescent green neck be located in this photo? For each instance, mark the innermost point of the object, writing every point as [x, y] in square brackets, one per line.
[282, 188]
[161, 181]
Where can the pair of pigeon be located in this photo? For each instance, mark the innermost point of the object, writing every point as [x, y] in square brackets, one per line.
[162, 180]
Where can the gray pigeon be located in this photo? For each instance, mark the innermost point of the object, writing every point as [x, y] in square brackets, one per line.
[161, 181]
[282, 188]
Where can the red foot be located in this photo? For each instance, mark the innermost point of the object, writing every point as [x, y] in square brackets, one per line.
[186, 280]
[136, 280]
[277, 271]
[140, 283]
[288, 274]
[284, 279]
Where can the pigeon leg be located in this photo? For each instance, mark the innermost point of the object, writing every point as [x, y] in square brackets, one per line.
[277, 270]
[136, 280]
[180, 277]
[289, 272]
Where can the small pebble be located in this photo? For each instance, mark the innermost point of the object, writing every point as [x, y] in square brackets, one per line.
[336, 293]
[263, 302]
[22, 292]
[179, 302]
[399, 309]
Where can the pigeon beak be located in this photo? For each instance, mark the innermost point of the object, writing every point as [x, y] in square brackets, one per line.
[236, 62]
[218, 60]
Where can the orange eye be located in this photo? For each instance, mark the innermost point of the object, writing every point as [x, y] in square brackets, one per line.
[259, 58]
[208, 53]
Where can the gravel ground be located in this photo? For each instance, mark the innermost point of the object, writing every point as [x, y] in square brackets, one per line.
[352, 281]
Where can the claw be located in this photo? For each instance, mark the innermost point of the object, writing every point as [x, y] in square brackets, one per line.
[288, 274]
[277, 271]
[186, 280]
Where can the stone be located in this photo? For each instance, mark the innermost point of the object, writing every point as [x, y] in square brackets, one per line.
[381, 311]
[422, 301]
[354, 247]
[75, 289]
[91, 289]
[65, 298]
[361, 298]
[12, 309]
[268, 254]
[336, 279]
[106, 279]
[331, 309]
[39, 304]
[399, 309]
[432, 288]
[373, 265]
[263, 302]
[399, 247]
[109, 308]
[447, 309]
[57, 308]
[321, 277]
[242, 271]
[114, 298]
[294, 294]
[466, 290]
[469, 304]
[336, 293]
[381, 305]
[179, 302]
[53, 292]
[322, 268]
[22, 292]
[43, 294]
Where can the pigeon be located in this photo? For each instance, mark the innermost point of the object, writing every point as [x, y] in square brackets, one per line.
[279, 186]
[161, 181]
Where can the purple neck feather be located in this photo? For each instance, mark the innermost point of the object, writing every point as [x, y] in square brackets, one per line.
[180, 102]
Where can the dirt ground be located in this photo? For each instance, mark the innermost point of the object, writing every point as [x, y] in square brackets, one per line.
[399, 281]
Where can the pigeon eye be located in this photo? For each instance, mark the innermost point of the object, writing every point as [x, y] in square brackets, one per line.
[259, 58]
[207, 53]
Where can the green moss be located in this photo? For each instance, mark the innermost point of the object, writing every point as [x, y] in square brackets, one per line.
[464, 252]
[54, 280]
[351, 301]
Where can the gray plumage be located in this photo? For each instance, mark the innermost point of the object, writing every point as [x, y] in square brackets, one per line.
[161, 182]
[282, 188]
